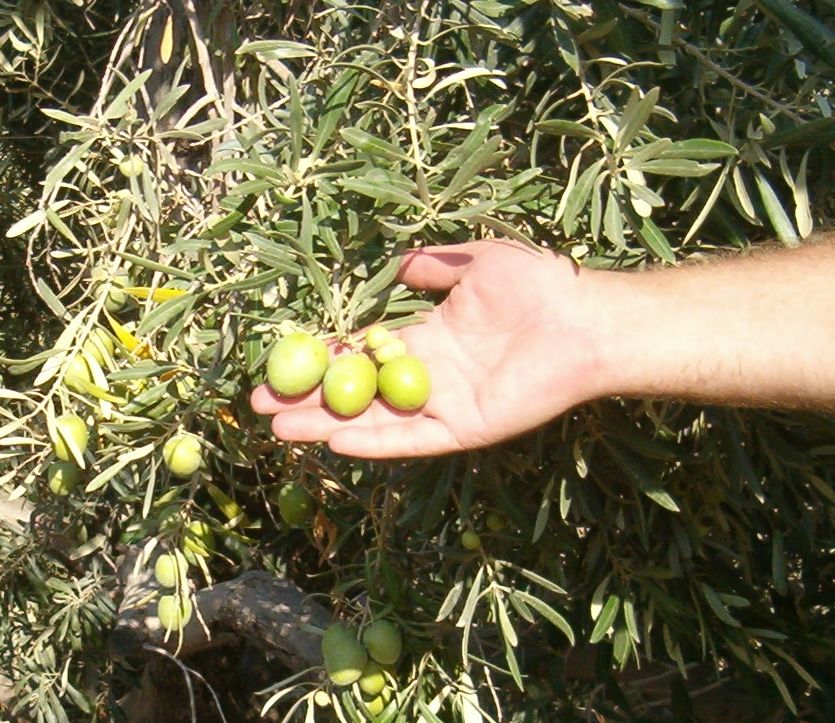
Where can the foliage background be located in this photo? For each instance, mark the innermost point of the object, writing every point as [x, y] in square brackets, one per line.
[290, 150]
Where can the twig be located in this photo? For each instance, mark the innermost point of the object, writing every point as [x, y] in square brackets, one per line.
[187, 672]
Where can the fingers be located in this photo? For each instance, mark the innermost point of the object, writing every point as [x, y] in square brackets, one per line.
[265, 401]
[436, 268]
[417, 437]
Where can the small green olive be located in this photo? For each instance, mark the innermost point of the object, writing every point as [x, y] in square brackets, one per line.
[131, 166]
[376, 336]
[495, 522]
[350, 384]
[470, 540]
[390, 350]
[296, 364]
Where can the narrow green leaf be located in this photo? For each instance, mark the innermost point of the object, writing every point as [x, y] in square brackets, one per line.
[678, 167]
[606, 619]
[635, 116]
[547, 612]
[368, 143]
[699, 149]
[774, 210]
[717, 606]
[558, 127]
[579, 196]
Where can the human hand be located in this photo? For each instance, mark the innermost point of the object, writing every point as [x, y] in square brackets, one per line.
[507, 350]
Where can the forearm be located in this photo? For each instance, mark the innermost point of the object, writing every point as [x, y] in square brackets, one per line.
[754, 331]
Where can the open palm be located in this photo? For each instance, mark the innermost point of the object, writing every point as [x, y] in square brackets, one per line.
[506, 351]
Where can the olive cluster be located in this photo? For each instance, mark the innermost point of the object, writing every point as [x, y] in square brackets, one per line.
[349, 661]
[299, 362]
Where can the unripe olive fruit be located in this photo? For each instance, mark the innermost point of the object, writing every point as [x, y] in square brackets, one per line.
[63, 477]
[183, 454]
[376, 705]
[131, 166]
[344, 657]
[376, 336]
[295, 505]
[350, 384]
[116, 297]
[495, 522]
[390, 350]
[199, 541]
[470, 540]
[78, 374]
[404, 383]
[99, 345]
[171, 569]
[296, 364]
[321, 698]
[372, 680]
[70, 426]
[174, 611]
[383, 640]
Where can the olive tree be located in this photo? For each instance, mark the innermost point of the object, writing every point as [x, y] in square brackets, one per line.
[226, 173]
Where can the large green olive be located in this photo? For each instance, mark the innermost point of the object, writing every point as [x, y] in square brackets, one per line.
[183, 454]
[171, 569]
[345, 659]
[63, 477]
[174, 611]
[199, 541]
[350, 384]
[99, 345]
[116, 297]
[296, 364]
[78, 374]
[70, 427]
[383, 640]
[404, 383]
[295, 504]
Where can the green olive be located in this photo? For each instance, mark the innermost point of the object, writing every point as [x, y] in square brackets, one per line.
[171, 569]
[390, 350]
[404, 383]
[63, 477]
[78, 374]
[384, 642]
[70, 427]
[99, 345]
[116, 297]
[344, 657]
[295, 504]
[350, 385]
[376, 336]
[495, 522]
[131, 166]
[183, 454]
[296, 364]
[199, 541]
[372, 680]
[174, 611]
[470, 540]
[375, 706]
